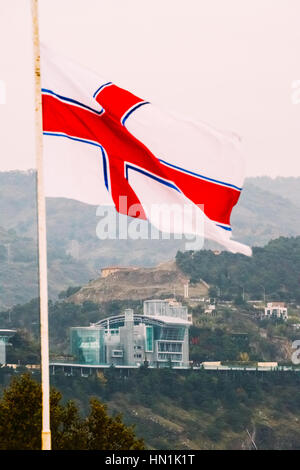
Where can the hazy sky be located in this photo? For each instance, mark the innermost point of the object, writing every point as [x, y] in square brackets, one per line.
[228, 62]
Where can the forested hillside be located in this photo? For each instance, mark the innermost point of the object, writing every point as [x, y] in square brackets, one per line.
[273, 270]
[194, 409]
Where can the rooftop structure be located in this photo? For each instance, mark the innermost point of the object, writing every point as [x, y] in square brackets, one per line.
[157, 337]
[108, 270]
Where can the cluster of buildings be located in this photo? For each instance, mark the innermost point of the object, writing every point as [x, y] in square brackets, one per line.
[157, 337]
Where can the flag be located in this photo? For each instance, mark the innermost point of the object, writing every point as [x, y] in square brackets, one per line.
[105, 145]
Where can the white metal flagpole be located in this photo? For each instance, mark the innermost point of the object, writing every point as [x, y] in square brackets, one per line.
[42, 240]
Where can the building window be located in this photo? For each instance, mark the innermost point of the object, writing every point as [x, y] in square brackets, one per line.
[117, 353]
[169, 347]
[149, 339]
[169, 357]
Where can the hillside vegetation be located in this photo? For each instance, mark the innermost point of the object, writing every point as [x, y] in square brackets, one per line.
[273, 270]
[194, 409]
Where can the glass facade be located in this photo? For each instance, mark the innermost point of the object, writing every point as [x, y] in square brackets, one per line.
[149, 339]
[171, 333]
[165, 308]
[155, 308]
[169, 351]
[165, 346]
[88, 345]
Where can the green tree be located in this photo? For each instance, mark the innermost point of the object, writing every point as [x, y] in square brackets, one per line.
[20, 415]
[21, 419]
[109, 433]
[68, 292]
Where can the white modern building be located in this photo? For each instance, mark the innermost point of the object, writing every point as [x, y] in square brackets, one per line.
[5, 336]
[158, 337]
[276, 310]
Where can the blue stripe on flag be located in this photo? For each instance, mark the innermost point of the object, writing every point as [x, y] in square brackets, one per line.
[156, 178]
[100, 88]
[224, 227]
[131, 110]
[86, 142]
[70, 100]
[201, 176]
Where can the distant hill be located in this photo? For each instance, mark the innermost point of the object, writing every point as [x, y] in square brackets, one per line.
[18, 268]
[19, 274]
[261, 216]
[75, 253]
[287, 187]
[265, 210]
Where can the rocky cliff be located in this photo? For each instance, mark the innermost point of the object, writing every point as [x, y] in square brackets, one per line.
[135, 283]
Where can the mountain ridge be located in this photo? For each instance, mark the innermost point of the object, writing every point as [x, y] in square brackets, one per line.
[76, 255]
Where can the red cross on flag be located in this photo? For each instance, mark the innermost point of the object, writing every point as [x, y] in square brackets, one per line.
[104, 145]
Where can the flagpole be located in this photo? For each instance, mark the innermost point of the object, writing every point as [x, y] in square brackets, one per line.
[42, 240]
